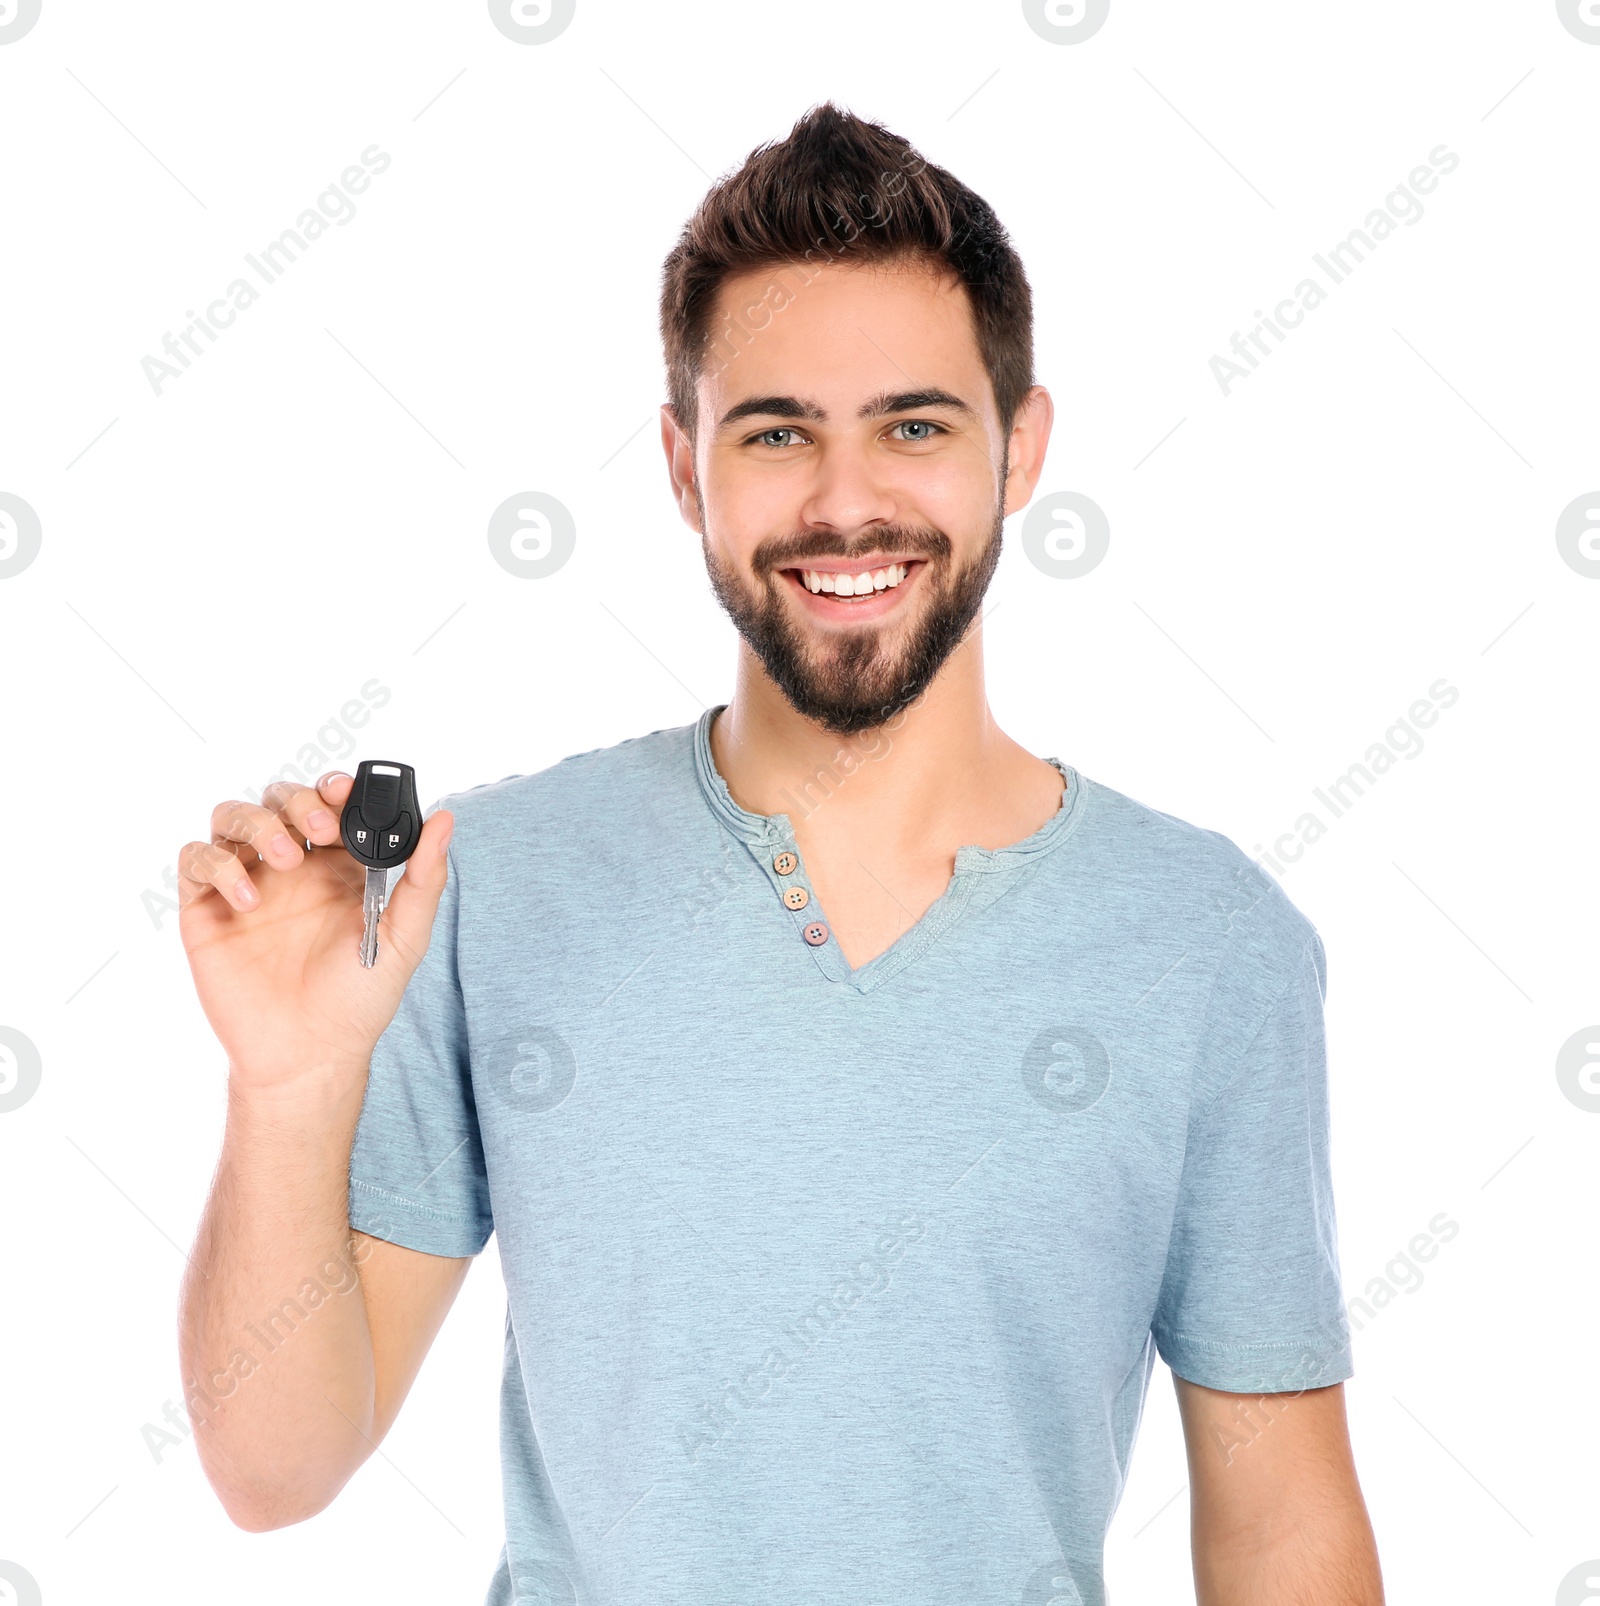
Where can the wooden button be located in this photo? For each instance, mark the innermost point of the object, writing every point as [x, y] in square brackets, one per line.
[785, 864]
[816, 933]
[797, 897]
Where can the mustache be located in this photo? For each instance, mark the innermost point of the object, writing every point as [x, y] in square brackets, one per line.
[782, 552]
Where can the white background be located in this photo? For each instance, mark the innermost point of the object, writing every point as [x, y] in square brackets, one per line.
[225, 565]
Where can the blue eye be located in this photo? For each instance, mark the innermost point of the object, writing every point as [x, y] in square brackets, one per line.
[765, 436]
[919, 423]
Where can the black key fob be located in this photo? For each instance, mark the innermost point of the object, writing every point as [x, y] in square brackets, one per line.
[381, 821]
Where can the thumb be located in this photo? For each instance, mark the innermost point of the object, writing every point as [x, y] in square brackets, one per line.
[409, 916]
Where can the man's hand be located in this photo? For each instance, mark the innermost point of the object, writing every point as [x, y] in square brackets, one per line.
[1276, 1514]
[272, 931]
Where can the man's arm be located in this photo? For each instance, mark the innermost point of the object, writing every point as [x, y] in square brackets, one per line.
[298, 1339]
[290, 1397]
[1276, 1513]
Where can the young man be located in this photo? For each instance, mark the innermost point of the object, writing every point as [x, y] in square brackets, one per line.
[861, 1102]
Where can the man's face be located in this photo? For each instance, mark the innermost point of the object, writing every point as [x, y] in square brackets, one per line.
[850, 475]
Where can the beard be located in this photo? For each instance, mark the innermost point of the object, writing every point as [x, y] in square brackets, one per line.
[872, 672]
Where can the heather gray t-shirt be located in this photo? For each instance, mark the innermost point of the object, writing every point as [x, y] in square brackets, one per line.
[832, 1286]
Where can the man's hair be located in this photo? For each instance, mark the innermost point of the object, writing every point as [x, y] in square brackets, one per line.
[840, 190]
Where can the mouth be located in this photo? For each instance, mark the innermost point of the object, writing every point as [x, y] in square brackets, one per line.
[863, 590]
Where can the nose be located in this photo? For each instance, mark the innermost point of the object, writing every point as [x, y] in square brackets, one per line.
[847, 492]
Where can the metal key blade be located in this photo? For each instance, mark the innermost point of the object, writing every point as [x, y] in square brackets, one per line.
[371, 911]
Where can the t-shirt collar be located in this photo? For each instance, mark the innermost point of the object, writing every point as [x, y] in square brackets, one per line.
[761, 830]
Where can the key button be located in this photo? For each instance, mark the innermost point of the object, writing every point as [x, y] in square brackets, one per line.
[392, 842]
[785, 864]
[358, 833]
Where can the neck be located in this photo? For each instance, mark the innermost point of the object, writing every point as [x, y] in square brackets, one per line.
[937, 770]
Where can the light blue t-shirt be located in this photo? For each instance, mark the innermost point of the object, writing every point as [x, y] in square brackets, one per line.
[833, 1287]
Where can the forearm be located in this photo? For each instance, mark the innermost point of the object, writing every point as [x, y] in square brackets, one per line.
[274, 1344]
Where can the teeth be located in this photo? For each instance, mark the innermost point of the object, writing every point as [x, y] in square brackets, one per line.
[854, 585]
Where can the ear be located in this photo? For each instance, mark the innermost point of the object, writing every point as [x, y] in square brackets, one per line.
[680, 467]
[1030, 437]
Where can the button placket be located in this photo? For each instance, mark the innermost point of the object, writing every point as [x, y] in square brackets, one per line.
[786, 874]
[769, 840]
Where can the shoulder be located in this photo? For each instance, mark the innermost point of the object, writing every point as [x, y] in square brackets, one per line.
[1192, 870]
[1207, 892]
[625, 787]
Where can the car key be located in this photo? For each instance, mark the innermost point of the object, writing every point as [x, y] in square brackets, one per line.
[381, 824]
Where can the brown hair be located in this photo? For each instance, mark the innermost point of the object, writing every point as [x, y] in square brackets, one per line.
[839, 189]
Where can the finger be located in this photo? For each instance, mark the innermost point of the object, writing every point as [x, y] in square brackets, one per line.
[335, 788]
[302, 808]
[214, 867]
[409, 916]
[257, 827]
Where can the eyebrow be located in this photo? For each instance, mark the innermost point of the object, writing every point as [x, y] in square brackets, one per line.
[900, 401]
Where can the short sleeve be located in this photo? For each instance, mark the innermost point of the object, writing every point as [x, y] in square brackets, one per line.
[417, 1175]
[1251, 1300]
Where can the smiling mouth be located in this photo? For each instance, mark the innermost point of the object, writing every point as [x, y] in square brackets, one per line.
[849, 585]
